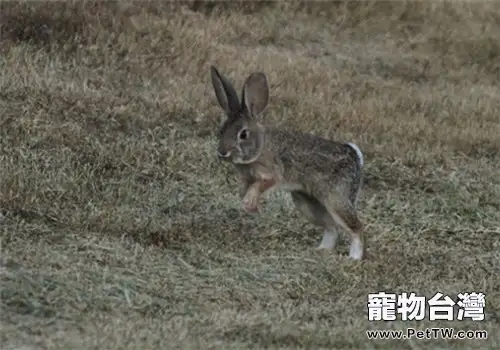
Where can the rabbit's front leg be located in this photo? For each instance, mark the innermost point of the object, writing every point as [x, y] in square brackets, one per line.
[251, 201]
[244, 189]
[252, 198]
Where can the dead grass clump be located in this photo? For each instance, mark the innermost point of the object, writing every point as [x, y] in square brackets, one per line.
[53, 23]
[221, 7]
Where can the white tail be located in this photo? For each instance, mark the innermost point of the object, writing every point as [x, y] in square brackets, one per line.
[358, 152]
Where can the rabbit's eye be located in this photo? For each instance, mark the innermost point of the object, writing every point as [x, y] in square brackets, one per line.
[243, 134]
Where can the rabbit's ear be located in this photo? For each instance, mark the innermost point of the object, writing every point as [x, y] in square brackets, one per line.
[226, 95]
[255, 93]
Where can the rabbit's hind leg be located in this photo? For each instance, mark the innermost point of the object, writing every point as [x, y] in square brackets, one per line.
[344, 214]
[317, 214]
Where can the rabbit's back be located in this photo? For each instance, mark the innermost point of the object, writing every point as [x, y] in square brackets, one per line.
[315, 162]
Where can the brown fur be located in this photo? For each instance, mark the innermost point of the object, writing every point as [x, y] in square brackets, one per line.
[323, 176]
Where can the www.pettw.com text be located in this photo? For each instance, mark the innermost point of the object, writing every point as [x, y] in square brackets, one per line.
[427, 333]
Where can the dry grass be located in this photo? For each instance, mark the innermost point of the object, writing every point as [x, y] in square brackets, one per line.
[121, 230]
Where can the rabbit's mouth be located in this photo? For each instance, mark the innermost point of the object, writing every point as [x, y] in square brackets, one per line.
[224, 156]
[245, 160]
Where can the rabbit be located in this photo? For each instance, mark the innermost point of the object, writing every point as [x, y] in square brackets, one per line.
[322, 176]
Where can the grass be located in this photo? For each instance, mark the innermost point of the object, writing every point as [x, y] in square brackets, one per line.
[120, 229]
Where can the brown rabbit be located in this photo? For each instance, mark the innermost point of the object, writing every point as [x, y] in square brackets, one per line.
[323, 176]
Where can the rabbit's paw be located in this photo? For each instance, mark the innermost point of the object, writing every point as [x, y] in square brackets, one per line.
[251, 203]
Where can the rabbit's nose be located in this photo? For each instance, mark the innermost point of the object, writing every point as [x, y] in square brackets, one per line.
[224, 155]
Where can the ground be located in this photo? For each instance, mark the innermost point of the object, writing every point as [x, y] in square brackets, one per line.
[120, 228]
